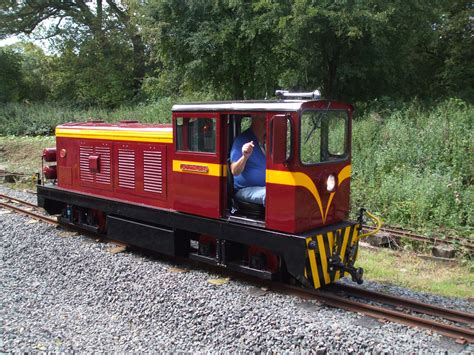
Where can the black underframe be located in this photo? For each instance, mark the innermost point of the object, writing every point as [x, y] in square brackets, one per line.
[292, 247]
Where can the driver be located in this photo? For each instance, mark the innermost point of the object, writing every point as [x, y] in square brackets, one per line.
[248, 162]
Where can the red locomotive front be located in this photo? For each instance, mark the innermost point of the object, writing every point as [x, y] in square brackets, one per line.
[173, 184]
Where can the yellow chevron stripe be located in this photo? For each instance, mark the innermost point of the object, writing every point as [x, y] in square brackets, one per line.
[301, 179]
[331, 196]
[314, 267]
[182, 166]
[295, 179]
[324, 260]
[123, 135]
[344, 174]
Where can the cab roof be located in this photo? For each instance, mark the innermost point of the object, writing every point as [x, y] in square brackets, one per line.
[229, 106]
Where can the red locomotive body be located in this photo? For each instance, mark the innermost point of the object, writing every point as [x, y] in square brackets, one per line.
[168, 187]
[125, 161]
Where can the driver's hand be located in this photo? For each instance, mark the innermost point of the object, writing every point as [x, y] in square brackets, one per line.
[247, 149]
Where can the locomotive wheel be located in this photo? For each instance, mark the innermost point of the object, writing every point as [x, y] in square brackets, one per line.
[207, 245]
[263, 259]
[100, 219]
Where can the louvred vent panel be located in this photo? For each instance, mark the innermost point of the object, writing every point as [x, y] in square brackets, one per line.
[84, 172]
[126, 168]
[104, 174]
[153, 171]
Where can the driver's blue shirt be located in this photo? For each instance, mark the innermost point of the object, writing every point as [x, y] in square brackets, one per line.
[254, 172]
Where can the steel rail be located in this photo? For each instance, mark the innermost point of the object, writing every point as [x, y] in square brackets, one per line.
[460, 333]
[445, 240]
[414, 305]
[422, 238]
[6, 173]
[29, 213]
[19, 201]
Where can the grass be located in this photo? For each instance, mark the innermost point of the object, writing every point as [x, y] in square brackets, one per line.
[40, 119]
[405, 269]
[35, 119]
[23, 154]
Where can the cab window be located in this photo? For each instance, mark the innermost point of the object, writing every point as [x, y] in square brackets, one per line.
[196, 134]
[323, 136]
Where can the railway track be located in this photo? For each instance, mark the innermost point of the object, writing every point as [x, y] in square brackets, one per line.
[415, 318]
[447, 240]
[28, 209]
[355, 299]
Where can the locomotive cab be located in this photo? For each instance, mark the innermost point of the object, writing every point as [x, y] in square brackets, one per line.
[307, 159]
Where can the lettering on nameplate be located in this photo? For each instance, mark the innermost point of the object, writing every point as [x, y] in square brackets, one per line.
[194, 168]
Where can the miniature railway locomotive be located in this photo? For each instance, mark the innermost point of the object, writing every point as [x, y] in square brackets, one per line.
[168, 188]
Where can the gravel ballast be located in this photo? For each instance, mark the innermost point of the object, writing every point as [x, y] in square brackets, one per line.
[66, 292]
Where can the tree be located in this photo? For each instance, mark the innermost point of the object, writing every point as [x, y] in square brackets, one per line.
[77, 16]
[10, 75]
[95, 74]
[226, 47]
[35, 71]
[455, 47]
[353, 50]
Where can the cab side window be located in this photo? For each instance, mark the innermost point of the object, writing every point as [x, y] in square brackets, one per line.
[195, 134]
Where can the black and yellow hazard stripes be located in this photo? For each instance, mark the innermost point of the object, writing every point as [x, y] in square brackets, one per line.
[326, 247]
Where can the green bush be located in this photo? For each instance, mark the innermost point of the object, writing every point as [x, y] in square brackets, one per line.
[41, 119]
[35, 119]
[414, 166]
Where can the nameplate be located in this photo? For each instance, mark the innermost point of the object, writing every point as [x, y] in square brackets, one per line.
[202, 169]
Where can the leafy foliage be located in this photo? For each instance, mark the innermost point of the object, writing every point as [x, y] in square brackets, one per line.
[10, 73]
[98, 42]
[108, 53]
[415, 166]
[226, 47]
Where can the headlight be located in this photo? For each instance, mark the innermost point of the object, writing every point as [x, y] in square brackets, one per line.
[331, 183]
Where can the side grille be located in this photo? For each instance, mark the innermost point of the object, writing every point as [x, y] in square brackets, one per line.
[103, 176]
[126, 168]
[153, 171]
[84, 172]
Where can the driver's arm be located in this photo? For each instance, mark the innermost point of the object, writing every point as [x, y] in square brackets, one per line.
[238, 167]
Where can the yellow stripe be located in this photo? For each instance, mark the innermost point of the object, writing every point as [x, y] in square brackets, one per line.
[344, 174]
[331, 240]
[314, 268]
[301, 179]
[182, 166]
[344, 243]
[324, 260]
[136, 136]
[331, 196]
[295, 179]
[355, 234]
